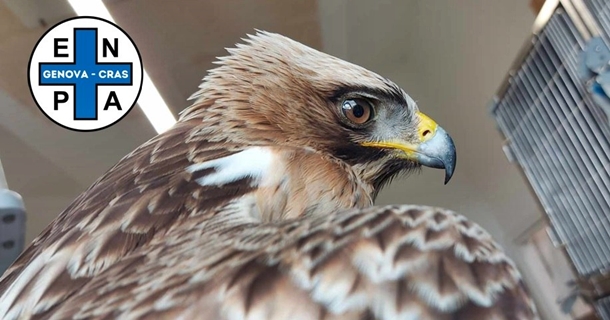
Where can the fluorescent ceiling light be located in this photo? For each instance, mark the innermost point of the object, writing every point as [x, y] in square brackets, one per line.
[150, 100]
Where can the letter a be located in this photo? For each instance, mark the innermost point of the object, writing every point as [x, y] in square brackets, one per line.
[112, 100]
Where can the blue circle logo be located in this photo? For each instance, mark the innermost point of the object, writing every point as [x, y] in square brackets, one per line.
[85, 74]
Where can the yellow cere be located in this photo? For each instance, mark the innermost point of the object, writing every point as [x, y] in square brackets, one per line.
[427, 127]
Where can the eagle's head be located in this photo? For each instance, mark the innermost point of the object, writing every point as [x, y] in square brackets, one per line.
[273, 90]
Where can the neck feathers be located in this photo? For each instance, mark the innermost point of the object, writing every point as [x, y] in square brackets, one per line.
[286, 183]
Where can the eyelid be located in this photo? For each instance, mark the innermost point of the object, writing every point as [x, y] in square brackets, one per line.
[362, 95]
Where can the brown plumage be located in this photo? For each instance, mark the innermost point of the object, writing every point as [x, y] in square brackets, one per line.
[258, 204]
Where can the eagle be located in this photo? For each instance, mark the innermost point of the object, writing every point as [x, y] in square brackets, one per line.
[259, 204]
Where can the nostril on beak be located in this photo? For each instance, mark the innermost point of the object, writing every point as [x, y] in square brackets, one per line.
[426, 128]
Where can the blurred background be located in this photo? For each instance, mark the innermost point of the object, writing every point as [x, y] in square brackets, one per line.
[450, 56]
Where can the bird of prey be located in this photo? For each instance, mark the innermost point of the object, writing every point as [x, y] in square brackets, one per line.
[259, 204]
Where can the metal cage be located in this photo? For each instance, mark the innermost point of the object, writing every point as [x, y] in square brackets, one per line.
[554, 114]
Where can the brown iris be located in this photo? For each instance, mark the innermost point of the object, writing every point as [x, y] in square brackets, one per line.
[358, 111]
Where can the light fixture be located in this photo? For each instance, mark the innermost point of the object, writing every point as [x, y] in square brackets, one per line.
[150, 100]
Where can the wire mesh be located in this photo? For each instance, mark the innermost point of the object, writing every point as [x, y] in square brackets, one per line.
[559, 137]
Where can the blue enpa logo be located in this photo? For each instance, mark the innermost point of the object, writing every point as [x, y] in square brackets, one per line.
[85, 74]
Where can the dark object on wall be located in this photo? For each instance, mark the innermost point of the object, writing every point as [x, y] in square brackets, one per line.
[12, 227]
[12, 224]
[554, 110]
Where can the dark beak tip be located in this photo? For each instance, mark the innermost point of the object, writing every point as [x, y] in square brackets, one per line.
[449, 169]
[451, 162]
[448, 176]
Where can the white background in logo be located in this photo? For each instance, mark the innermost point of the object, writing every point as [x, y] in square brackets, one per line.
[44, 95]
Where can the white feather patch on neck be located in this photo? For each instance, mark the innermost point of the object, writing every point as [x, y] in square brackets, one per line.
[252, 163]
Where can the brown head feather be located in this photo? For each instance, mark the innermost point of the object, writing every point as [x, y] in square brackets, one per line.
[276, 91]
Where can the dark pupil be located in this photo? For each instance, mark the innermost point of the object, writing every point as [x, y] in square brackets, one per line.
[358, 110]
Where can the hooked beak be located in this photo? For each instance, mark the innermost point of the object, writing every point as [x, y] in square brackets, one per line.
[435, 148]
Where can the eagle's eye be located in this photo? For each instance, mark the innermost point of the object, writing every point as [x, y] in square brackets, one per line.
[357, 110]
